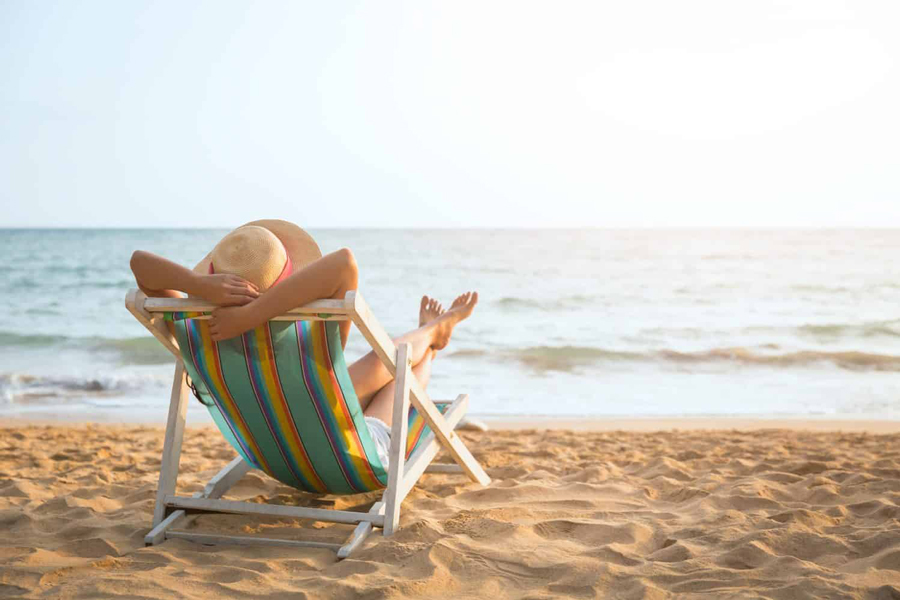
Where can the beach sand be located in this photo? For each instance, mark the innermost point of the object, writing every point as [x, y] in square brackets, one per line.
[699, 511]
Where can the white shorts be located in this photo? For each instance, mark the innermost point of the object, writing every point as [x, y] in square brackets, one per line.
[381, 435]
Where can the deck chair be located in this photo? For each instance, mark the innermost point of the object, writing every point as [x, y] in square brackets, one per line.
[282, 397]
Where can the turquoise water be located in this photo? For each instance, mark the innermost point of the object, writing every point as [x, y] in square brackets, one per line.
[581, 322]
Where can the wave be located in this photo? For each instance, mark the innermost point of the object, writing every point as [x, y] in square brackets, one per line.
[122, 284]
[143, 350]
[843, 289]
[848, 359]
[136, 351]
[818, 331]
[563, 303]
[569, 358]
[826, 289]
[25, 388]
[864, 330]
[713, 257]
[8, 338]
[471, 353]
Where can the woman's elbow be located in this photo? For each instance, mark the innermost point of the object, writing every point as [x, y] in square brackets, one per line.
[141, 269]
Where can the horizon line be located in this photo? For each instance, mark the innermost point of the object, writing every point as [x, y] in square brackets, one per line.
[463, 228]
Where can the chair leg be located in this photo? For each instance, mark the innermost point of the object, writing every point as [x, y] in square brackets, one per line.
[216, 488]
[359, 534]
[392, 499]
[157, 535]
[421, 459]
[448, 438]
[168, 472]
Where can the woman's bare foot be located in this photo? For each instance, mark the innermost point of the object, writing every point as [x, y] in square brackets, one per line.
[429, 310]
[461, 308]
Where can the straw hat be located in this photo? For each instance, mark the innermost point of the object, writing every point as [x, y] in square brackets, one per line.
[262, 252]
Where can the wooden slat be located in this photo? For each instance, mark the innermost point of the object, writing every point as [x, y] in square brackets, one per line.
[360, 534]
[425, 453]
[135, 301]
[443, 468]
[371, 329]
[248, 540]
[292, 317]
[168, 472]
[277, 510]
[397, 453]
[362, 531]
[158, 534]
[158, 305]
[227, 477]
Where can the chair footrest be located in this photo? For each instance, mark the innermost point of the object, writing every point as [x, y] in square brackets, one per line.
[246, 540]
[276, 510]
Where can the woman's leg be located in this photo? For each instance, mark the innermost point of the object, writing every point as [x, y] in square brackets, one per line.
[369, 374]
[382, 404]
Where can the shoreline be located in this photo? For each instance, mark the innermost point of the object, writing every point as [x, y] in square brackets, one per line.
[645, 424]
[545, 423]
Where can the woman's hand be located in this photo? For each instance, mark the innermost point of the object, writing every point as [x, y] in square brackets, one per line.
[228, 322]
[227, 290]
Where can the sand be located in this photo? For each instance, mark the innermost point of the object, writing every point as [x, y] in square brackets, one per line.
[773, 513]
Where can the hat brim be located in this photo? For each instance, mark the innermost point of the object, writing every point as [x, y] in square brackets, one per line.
[297, 243]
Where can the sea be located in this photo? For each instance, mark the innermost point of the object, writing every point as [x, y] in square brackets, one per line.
[587, 322]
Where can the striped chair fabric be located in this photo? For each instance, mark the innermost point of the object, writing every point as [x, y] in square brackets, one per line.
[282, 396]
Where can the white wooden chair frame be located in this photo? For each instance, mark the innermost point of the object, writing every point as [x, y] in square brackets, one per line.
[402, 474]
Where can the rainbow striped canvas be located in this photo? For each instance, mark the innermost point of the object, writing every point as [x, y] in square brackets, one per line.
[282, 396]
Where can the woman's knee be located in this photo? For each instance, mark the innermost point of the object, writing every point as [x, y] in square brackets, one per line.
[348, 267]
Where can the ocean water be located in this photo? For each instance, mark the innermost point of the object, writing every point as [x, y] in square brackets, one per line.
[580, 322]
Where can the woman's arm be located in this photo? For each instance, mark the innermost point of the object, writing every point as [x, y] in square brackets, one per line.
[331, 276]
[159, 277]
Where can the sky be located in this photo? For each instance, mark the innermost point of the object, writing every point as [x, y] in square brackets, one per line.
[450, 114]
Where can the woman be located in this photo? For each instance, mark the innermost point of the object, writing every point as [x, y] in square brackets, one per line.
[265, 268]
